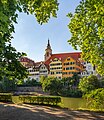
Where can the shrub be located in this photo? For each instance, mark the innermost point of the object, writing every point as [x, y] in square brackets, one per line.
[5, 97]
[96, 99]
[89, 83]
[53, 100]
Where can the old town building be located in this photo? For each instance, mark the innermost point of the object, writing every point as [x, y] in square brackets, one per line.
[57, 65]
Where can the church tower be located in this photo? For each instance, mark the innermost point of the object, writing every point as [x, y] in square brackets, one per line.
[48, 51]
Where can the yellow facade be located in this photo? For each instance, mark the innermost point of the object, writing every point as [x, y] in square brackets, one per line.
[71, 66]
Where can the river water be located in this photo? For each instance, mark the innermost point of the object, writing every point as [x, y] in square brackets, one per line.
[73, 103]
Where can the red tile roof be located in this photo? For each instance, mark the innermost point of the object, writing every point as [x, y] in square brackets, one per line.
[63, 56]
[26, 59]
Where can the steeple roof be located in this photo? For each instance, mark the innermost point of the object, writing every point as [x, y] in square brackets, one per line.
[48, 45]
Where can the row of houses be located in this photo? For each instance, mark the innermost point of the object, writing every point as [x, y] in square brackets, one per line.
[57, 65]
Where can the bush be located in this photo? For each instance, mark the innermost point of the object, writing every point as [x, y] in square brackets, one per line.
[5, 97]
[7, 85]
[96, 99]
[28, 83]
[52, 85]
[52, 100]
[89, 83]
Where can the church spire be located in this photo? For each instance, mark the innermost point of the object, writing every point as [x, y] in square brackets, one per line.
[48, 51]
[48, 45]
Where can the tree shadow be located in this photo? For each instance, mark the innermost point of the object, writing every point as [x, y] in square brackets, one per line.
[35, 112]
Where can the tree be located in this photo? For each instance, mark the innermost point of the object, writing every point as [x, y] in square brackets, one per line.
[42, 79]
[52, 85]
[96, 99]
[10, 67]
[70, 86]
[87, 30]
[71, 82]
[89, 83]
[8, 85]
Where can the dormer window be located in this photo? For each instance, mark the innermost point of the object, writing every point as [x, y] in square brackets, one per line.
[68, 59]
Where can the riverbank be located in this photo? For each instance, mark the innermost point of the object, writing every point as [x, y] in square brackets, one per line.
[34, 112]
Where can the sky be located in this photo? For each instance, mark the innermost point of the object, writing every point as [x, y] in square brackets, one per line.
[32, 38]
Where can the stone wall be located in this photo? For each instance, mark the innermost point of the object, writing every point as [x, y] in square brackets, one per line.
[29, 89]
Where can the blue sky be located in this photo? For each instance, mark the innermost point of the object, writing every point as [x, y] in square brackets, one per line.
[31, 38]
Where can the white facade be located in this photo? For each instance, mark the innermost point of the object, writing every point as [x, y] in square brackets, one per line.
[37, 72]
[43, 71]
[33, 73]
[89, 69]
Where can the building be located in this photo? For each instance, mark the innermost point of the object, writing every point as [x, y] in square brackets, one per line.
[64, 64]
[89, 69]
[59, 65]
[27, 62]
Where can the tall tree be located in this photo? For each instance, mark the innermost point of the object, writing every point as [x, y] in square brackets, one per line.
[89, 83]
[42, 9]
[87, 29]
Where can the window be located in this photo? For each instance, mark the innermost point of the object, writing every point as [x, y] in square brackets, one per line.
[47, 53]
[58, 72]
[68, 59]
[94, 67]
[52, 73]
[73, 62]
[84, 63]
[89, 67]
[55, 64]
[67, 68]
[71, 68]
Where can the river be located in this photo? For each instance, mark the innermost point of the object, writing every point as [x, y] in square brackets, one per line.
[73, 103]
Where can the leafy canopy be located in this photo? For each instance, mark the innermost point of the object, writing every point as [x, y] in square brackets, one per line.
[10, 67]
[87, 29]
[51, 85]
[89, 83]
[96, 99]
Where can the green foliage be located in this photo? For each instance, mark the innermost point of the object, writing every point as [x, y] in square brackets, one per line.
[66, 87]
[70, 86]
[96, 99]
[89, 83]
[101, 80]
[71, 82]
[52, 85]
[87, 29]
[4, 97]
[7, 85]
[42, 9]
[76, 93]
[40, 99]
[29, 82]
[42, 79]
[10, 66]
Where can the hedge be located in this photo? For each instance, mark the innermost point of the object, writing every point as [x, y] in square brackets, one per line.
[52, 100]
[5, 97]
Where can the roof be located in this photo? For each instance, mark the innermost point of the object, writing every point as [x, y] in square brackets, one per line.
[26, 59]
[63, 56]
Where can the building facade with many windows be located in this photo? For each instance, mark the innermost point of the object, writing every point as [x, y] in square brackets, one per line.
[59, 65]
